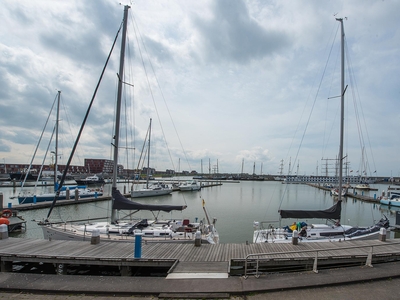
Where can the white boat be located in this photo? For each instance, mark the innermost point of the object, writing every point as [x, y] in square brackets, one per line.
[192, 185]
[271, 232]
[93, 179]
[317, 232]
[335, 191]
[150, 190]
[67, 193]
[181, 231]
[362, 186]
[119, 230]
[392, 199]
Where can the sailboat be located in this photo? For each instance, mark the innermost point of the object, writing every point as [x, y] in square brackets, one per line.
[69, 192]
[320, 232]
[150, 190]
[124, 231]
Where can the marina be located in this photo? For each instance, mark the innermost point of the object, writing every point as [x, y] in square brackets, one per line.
[255, 200]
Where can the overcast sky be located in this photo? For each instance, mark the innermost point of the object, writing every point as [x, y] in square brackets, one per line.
[226, 82]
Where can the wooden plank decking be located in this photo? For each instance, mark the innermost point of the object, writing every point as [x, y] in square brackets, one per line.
[55, 251]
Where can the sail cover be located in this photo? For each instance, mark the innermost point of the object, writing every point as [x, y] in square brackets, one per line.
[330, 213]
[120, 202]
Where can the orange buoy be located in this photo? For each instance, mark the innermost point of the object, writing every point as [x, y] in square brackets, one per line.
[4, 221]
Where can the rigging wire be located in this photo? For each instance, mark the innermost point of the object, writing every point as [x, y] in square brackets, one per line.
[37, 146]
[359, 113]
[162, 96]
[82, 126]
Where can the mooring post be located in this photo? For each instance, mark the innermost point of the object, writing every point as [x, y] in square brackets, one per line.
[76, 194]
[138, 245]
[95, 239]
[382, 234]
[3, 232]
[197, 238]
[295, 237]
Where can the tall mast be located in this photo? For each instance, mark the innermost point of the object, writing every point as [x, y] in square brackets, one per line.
[148, 159]
[341, 110]
[118, 110]
[56, 145]
[119, 97]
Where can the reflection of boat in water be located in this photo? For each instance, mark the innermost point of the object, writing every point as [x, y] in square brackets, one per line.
[335, 191]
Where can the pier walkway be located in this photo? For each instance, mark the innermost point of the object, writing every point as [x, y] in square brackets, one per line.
[184, 270]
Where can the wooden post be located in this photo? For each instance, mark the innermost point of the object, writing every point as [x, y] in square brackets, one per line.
[6, 266]
[126, 271]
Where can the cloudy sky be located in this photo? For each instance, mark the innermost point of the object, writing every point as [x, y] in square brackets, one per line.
[231, 83]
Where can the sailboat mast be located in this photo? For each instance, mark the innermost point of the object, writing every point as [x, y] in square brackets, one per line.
[148, 158]
[56, 144]
[118, 110]
[341, 110]
[119, 97]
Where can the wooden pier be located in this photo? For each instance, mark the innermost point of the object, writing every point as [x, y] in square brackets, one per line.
[352, 194]
[172, 259]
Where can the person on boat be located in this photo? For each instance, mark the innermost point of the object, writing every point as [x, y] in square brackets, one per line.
[301, 228]
[291, 228]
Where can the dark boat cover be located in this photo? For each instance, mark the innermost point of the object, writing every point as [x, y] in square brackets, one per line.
[330, 213]
[120, 202]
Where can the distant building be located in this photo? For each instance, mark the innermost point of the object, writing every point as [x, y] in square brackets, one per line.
[101, 166]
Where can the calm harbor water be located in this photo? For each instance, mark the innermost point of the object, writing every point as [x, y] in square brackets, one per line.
[235, 206]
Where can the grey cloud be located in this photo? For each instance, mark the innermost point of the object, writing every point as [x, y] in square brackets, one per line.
[233, 34]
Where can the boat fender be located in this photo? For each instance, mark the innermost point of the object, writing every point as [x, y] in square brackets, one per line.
[4, 221]
[6, 213]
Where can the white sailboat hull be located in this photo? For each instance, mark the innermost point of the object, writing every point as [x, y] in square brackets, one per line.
[115, 233]
[150, 193]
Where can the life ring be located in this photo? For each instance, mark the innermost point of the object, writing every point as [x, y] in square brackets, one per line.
[6, 213]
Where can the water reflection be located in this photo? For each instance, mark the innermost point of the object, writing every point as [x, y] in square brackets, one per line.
[235, 205]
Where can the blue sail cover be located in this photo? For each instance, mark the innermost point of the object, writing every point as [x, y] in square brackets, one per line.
[330, 213]
[120, 202]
